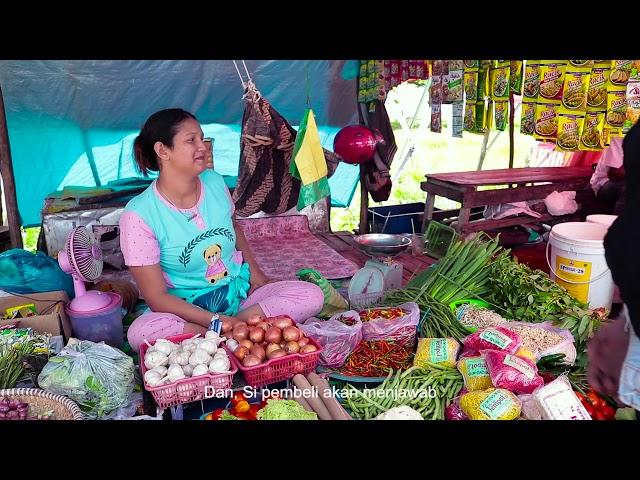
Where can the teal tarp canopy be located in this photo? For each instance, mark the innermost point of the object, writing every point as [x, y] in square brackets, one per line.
[72, 122]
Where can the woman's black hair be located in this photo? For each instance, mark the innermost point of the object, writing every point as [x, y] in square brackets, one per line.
[162, 126]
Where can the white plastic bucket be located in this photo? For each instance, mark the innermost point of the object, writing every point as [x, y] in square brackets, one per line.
[605, 220]
[577, 262]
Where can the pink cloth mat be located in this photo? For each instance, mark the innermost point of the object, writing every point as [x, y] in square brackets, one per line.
[284, 245]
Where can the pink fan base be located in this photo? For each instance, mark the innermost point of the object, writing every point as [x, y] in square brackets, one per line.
[94, 301]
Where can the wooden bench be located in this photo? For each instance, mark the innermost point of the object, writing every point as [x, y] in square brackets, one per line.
[518, 184]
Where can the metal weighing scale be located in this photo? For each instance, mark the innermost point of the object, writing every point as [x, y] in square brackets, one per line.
[381, 273]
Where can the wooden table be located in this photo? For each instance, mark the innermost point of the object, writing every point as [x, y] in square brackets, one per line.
[530, 184]
[345, 245]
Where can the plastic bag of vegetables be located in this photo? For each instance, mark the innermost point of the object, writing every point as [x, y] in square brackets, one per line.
[99, 378]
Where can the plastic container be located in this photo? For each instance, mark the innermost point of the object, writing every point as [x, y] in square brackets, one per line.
[577, 262]
[279, 369]
[100, 325]
[605, 220]
[188, 389]
[438, 239]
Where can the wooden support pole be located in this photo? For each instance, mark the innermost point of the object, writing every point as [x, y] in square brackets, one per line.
[6, 171]
[511, 129]
[364, 203]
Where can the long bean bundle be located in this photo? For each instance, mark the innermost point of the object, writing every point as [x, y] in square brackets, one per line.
[427, 390]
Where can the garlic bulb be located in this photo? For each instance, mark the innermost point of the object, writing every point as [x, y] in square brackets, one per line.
[154, 359]
[219, 365]
[188, 370]
[208, 346]
[162, 370]
[153, 378]
[199, 370]
[199, 357]
[175, 372]
[163, 346]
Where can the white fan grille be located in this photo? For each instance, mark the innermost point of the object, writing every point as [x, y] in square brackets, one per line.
[85, 254]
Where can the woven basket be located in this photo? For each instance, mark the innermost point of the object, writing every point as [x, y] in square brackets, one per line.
[40, 400]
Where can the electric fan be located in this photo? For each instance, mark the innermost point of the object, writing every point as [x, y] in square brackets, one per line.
[82, 258]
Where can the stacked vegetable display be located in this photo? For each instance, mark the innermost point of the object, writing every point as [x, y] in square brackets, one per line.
[259, 339]
[168, 362]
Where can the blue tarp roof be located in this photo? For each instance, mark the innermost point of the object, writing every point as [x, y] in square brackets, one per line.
[73, 122]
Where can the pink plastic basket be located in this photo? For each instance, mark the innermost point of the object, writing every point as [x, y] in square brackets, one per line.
[278, 369]
[188, 389]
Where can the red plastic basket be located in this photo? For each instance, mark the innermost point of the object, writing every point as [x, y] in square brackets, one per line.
[278, 369]
[188, 389]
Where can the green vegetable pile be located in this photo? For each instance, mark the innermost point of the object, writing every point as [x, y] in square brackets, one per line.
[410, 388]
[521, 293]
[285, 410]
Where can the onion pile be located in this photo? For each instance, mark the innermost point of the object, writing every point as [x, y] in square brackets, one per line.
[262, 339]
[17, 410]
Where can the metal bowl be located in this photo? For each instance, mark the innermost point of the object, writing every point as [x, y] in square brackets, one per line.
[382, 243]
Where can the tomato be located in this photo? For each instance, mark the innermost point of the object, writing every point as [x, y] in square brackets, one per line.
[596, 400]
[242, 407]
[599, 416]
[237, 398]
[608, 412]
[590, 409]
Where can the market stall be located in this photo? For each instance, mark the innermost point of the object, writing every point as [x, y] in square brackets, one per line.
[451, 329]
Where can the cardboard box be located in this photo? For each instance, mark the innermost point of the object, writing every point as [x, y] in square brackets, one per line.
[54, 321]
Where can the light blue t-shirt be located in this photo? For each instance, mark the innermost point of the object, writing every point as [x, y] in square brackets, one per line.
[198, 252]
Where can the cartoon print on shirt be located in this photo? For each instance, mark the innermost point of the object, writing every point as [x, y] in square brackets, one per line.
[216, 268]
[185, 256]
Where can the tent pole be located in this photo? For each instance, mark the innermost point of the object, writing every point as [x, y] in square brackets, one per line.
[511, 128]
[6, 171]
[364, 194]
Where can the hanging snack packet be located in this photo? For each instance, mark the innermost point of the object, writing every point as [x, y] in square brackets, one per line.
[532, 79]
[528, 119]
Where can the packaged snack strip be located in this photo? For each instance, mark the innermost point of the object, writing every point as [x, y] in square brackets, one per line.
[616, 107]
[474, 64]
[454, 93]
[569, 131]
[531, 79]
[528, 119]
[501, 114]
[546, 121]
[633, 105]
[551, 80]
[515, 74]
[593, 134]
[575, 89]
[499, 77]
[581, 63]
[469, 119]
[456, 121]
[436, 118]
[471, 85]
[620, 72]
[597, 93]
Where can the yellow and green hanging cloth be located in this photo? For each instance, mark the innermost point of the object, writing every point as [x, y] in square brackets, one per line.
[308, 163]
